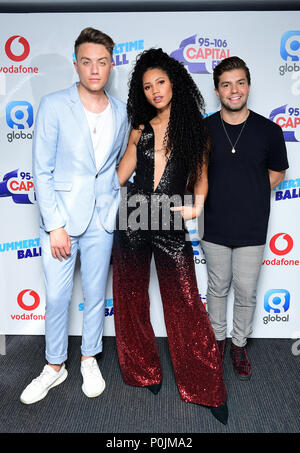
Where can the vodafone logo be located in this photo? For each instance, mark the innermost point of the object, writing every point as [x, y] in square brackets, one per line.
[14, 42]
[17, 49]
[28, 299]
[281, 244]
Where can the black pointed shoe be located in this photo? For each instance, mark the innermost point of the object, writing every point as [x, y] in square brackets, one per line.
[154, 388]
[220, 413]
[221, 345]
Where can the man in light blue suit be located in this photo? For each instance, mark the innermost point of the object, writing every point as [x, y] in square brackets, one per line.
[80, 136]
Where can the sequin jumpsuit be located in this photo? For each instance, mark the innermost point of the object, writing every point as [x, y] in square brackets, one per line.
[192, 345]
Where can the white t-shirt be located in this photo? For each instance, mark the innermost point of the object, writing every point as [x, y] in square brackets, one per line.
[101, 128]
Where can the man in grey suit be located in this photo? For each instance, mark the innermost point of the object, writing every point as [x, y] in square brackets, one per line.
[80, 135]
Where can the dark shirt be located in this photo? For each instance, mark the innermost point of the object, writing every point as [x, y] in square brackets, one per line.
[237, 207]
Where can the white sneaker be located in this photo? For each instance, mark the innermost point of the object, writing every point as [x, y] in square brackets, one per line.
[39, 387]
[93, 382]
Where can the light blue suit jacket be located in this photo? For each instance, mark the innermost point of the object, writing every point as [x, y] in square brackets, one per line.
[67, 183]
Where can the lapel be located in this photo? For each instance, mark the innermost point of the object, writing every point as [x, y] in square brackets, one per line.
[115, 112]
[115, 115]
[78, 111]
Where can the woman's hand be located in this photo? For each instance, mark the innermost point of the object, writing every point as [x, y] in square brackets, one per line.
[200, 193]
[188, 212]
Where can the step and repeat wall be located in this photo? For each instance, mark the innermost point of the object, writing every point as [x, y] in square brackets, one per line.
[36, 58]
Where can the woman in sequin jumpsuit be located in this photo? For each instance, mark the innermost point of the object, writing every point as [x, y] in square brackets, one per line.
[167, 147]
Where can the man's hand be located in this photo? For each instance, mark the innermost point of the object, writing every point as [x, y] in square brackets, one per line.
[60, 244]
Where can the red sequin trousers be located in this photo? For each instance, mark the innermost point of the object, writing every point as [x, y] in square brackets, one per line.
[192, 345]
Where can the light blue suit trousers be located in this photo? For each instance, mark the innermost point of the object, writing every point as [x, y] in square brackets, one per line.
[94, 246]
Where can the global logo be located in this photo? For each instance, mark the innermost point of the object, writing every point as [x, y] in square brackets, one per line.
[290, 51]
[201, 54]
[19, 115]
[28, 299]
[281, 244]
[287, 118]
[195, 242]
[22, 43]
[277, 301]
[290, 45]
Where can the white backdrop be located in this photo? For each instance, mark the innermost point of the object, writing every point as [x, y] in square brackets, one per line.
[36, 53]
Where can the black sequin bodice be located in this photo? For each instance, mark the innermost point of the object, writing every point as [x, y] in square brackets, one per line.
[174, 178]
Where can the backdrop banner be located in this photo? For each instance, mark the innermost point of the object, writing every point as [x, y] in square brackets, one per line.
[36, 58]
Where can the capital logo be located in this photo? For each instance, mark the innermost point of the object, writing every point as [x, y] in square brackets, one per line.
[288, 118]
[281, 244]
[201, 54]
[28, 299]
[22, 42]
[19, 115]
[290, 45]
[277, 301]
[19, 186]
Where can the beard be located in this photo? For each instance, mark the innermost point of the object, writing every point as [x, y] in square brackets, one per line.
[236, 108]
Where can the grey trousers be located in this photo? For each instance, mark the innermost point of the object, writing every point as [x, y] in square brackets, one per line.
[241, 267]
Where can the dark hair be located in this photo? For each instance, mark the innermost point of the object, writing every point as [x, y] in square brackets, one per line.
[186, 134]
[228, 64]
[90, 34]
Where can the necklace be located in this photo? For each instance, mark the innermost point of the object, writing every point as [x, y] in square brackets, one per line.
[233, 150]
[96, 119]
[163, 145]
[96, 123]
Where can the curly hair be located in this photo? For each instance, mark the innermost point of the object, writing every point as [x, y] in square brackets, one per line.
[186, 133]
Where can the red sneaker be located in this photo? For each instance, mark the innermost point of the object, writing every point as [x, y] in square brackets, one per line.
[241, 364]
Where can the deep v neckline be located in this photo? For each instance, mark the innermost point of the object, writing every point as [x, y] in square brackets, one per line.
[153, 154]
